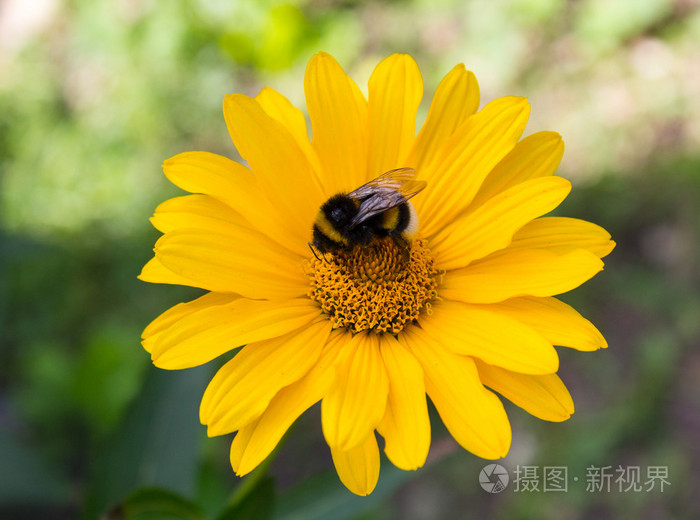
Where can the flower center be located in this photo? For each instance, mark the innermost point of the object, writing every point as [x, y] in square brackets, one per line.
[379, 286]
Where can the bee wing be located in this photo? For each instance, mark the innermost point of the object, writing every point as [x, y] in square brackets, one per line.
[385, 192]
[394, 180]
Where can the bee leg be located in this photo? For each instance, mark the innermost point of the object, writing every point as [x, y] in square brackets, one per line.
[311, 246]
[323, 253]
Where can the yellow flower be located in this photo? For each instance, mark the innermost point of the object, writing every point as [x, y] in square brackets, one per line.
[370, 332]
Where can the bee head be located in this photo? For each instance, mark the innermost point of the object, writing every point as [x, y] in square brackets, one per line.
[340, 210]
[339, 216]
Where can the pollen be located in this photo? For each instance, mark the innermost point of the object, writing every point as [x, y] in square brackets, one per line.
[378, 287]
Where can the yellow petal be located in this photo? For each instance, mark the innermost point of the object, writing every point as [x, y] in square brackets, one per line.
[395, 91]
[338, 113]
[555, 320]
[358, 467]
[474, 416]
[459, 167]
[281, 168]
[256, 441]
[563, 234]
[233, 259]
[491, 226]
[357, 402]
[544, 396]
[204, 335]
[240, 443]
[242, 389]
[456, 98]
[476, 330]
[520, 272]
[214, 175]
[155, 272]
[181, 310]
[406, 425]
[234, 185]
[194, 211]
[278, 107]
[538, 155]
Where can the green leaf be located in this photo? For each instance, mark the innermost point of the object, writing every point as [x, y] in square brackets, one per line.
[108, 375]
[158, 503]
[323, 496]
[156, 445]
[257, 504]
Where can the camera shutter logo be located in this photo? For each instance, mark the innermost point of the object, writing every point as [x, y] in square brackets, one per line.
[494, 478]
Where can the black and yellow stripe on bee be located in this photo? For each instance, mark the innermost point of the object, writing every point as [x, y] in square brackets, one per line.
[323, 227]
[398, 219]
[332, 229]
[390, 219]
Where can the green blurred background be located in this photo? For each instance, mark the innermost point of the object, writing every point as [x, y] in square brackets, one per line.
[94, 95]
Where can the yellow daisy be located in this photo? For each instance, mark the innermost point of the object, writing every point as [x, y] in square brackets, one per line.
[466, 311]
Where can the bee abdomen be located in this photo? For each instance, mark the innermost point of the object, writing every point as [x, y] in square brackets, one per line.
[407, 225]
[391, 218]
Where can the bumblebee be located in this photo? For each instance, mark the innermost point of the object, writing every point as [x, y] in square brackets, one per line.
[377, 209]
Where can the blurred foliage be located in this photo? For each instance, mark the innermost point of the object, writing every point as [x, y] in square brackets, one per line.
[95, 94]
